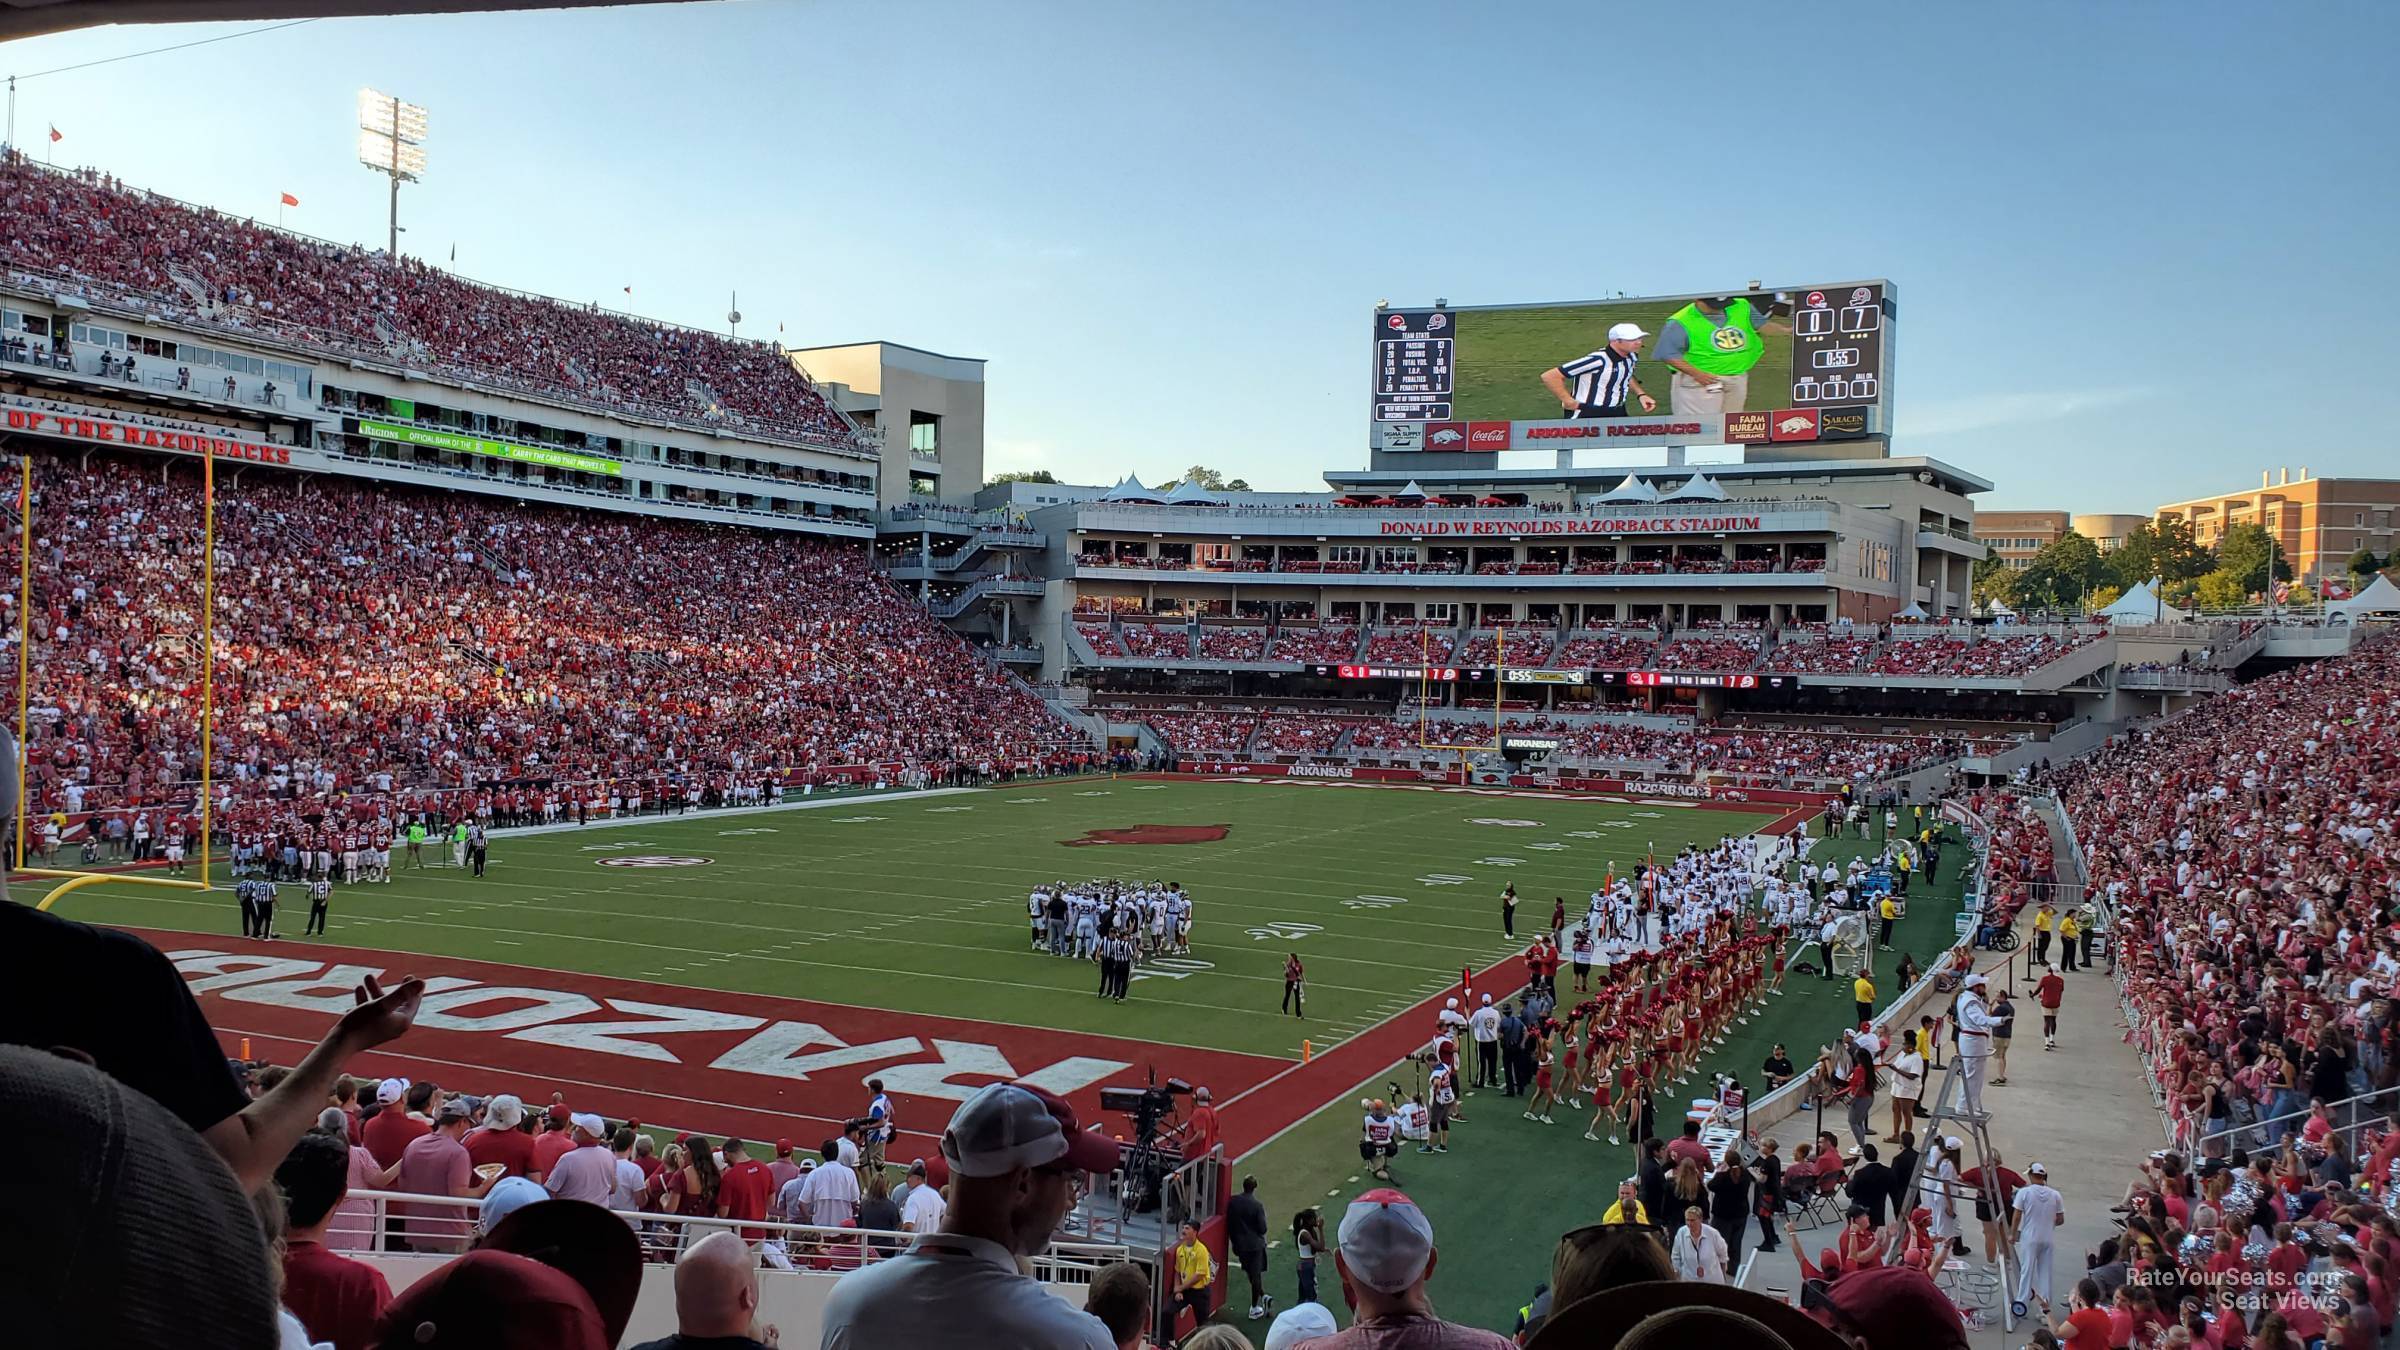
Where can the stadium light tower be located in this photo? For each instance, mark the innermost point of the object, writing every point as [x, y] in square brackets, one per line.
[391, 140]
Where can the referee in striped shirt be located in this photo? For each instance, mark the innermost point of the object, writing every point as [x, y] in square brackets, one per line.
[1597, 385]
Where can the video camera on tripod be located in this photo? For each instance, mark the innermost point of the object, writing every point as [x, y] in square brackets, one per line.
[1147, 1105]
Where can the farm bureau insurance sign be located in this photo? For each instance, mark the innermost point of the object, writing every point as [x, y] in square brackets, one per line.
[1580, 525]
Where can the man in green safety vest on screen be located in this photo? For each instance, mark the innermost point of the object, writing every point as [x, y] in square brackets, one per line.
[1711, 344]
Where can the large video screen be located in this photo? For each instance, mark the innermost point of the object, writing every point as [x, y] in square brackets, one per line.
[1746, 366]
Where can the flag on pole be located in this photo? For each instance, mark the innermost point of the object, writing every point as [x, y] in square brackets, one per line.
[55, 134]
[290, 200]
[454, 253]
[629, 290]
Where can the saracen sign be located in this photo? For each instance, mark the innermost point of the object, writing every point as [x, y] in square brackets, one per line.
[92, 427]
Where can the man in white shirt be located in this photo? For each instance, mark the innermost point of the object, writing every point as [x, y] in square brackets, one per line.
[1484, 1025]
[587, 1172]
[923, 1210]
[830, 1194]
[630, 1178]
[1699, 1249]
[2040, 1211]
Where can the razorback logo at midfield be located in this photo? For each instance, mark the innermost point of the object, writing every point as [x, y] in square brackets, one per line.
[1152, 834]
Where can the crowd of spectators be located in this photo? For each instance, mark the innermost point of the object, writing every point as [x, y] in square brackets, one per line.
[1231, 642]
[1205, 733]
[1103, 639]
[1829, 654]
[381, 638]
[1329, 644]
[1763, 756]
[1709, 651]
[2245, 850]
[1411, 646]
[1300, 733]
[1525, 647]
[200, 266]
[1169, 640]
[1607, 649]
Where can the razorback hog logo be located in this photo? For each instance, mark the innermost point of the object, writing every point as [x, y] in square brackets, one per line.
[1152, 834]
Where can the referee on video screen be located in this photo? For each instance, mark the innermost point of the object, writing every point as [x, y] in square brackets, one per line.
[1597, 385]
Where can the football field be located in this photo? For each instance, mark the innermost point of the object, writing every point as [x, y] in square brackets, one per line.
[744, 973]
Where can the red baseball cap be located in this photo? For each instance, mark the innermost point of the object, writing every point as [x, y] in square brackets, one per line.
[782, 1146]
[1890, 1306]
[494, 1300]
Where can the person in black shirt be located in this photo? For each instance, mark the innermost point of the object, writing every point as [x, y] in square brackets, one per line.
[1769, 1167]
[1246, 1238]
[1729, 1205]
[1652, 1175]
[1870, 1187]
[1778, 1068]
[1904, 1163]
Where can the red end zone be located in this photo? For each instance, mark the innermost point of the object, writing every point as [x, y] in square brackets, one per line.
[753, 1065]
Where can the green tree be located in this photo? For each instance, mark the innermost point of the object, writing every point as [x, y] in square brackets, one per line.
[2104, 595]
[1237, 485]
[2252, 557]
[2063, 574]
[2159, 548]
[1995, 582]
[1200, 475]
[2364, 563]
[1020, 476]
[2221, 589]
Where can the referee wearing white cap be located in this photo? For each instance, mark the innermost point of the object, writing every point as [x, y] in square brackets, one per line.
[1598, 384]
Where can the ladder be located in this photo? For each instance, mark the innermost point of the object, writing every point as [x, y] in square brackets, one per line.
[1966, 1287]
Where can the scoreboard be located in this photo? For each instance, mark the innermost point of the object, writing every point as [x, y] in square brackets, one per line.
[1414, 375]
[1837, 346]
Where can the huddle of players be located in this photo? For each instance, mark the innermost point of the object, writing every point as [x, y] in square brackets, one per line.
[316, 855]
[1074, 920]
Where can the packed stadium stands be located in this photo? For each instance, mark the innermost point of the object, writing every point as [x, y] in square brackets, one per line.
[1709, 651]
[201, 267]
[371, 634]
[1606, 649]
[1409, 646]
[1247, 642]
[1330, 643]
[1819, 652]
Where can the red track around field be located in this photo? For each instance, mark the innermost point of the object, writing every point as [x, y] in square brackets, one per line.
[611, 1046]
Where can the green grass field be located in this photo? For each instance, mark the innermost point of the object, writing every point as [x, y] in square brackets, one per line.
[916, 904]
[1501, 354]
[919, 904]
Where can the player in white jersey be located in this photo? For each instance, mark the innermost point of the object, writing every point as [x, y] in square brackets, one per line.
[175, 853]
[1179, 915]
[1037, 907]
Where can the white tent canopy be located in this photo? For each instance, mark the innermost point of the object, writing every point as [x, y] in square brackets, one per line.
[1630, 491]
[1914, 611]
[2141, 605]
[1188, 493]
[1700, 488]
[1411, 493]
[2380, 597]
[1130, 489]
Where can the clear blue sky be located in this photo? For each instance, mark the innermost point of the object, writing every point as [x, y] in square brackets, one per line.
[2144, 249]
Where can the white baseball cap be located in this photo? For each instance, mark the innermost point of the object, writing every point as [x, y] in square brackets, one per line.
[2037, 1170]
[1487, 999]
[590, 1124]
[1450, 1003]
[1300, 1322]
[1976, 980]
[390, 1090]
[1385, 1241]
[1626, 332]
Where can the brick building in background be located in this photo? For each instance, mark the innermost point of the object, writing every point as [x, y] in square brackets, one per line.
[2319, 522]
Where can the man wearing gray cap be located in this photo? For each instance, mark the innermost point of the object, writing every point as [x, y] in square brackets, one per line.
[1018, 1160]
[1385, 1254]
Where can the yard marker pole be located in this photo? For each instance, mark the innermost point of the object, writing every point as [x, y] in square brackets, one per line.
[24, 632]
[208, 643]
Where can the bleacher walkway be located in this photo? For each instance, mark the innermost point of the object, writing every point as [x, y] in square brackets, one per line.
[2081, 1110]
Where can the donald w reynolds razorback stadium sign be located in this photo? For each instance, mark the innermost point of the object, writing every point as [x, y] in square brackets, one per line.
[1580, 525]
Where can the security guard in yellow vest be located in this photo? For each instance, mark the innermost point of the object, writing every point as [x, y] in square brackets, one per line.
[1711, 344]
[1889, 912]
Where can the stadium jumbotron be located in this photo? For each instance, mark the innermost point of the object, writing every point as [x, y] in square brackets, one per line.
[531, 820]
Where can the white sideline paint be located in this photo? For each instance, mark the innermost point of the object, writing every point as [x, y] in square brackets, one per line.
[851, 800]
